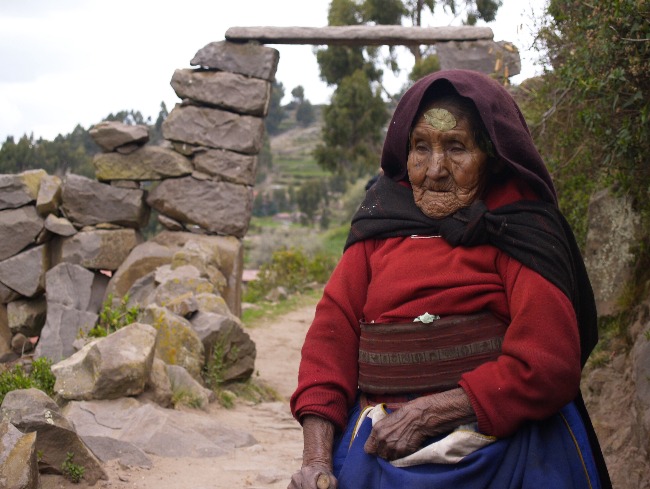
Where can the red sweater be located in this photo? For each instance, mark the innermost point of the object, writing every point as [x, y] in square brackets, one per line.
[398, 279]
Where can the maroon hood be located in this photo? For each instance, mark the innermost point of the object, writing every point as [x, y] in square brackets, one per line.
[501, 116]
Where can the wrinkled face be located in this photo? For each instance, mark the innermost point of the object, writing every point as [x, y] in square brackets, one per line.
[445, 165]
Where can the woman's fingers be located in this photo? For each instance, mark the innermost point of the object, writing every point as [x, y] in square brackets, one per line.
[312, 477]
[395, 436]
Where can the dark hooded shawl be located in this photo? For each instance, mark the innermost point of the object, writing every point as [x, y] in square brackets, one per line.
[533, 232]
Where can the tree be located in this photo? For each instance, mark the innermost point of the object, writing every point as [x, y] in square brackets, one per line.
[395, 11]
[590, 113]
[17, 157]
[352, 128]
[156, 131]
[305, 113]
[298, 94]
[276, 111]
[72, 152]
[309, 196]
[131, 117]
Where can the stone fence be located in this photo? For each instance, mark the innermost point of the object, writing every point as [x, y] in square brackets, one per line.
[80, 239]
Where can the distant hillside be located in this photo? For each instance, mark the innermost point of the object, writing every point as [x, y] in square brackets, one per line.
[292, 152]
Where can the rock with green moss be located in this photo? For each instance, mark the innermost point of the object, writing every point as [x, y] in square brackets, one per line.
[177, 343]
[115, 366]
[18, 458]
[20, 189]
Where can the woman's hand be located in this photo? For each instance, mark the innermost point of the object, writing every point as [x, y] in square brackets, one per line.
[404, 431]
[316, 471]
[313, 477]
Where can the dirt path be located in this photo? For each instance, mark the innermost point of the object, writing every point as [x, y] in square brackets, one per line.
[269, 463]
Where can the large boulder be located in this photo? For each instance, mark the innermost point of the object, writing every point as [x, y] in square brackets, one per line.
[248, 59]
[186, 389]
[86, 202]
[214, 128]
[224, 252]
[96, 249]
[218, 207]
[156, 431]
[18, 229]
[49, 195]
[493, 58]
[110, 135]
[158, 388]
[229, 350]
[69, 285]
[143, 260]
[18, 458]
[108, 368]
[176, 342]
[31, 410]
[146, 163]
[59, 225]
[226, 165]
[127, 454]
[17, 190]
[27, 316]
[72, 306]
[25, 272]
[222, 89]
[62, 328]
[612, 233]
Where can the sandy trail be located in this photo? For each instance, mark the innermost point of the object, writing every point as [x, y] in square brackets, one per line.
[269, 463]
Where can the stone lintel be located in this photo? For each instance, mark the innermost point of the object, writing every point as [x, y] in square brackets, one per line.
[363, 35]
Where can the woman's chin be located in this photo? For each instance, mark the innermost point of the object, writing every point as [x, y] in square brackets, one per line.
[436, 212]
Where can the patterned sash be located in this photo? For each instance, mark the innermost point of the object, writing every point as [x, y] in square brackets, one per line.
[396, 358]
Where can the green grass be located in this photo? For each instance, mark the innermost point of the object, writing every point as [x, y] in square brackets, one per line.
[299, 167]
[264, 310]
[267, 222]
[334, 240]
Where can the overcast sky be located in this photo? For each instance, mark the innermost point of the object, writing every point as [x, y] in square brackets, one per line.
[69, 62]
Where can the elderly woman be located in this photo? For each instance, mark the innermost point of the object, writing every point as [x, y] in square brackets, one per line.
[447, 349]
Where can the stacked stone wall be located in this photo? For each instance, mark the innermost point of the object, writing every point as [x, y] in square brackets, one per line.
[68, 244]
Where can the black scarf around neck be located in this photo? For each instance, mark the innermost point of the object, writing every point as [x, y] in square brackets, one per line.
[532, 232]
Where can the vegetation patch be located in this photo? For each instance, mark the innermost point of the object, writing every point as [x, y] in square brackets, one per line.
[72, 471]
[291, 269]
[114, 316]
[183, 397]
[39, 376]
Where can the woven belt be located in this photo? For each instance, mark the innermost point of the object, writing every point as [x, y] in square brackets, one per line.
[399, 358]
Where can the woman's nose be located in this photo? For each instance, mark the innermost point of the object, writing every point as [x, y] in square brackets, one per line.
[437, 167]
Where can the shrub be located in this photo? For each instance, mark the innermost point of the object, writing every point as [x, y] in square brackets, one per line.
[39, 377]
[291, 269]
[589, 114]
[42, 376]
[114, 316]
[12, 380]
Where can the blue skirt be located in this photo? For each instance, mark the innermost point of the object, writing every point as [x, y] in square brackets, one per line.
[554, 453]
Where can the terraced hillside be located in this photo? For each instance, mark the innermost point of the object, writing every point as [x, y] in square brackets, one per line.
[292, 155]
